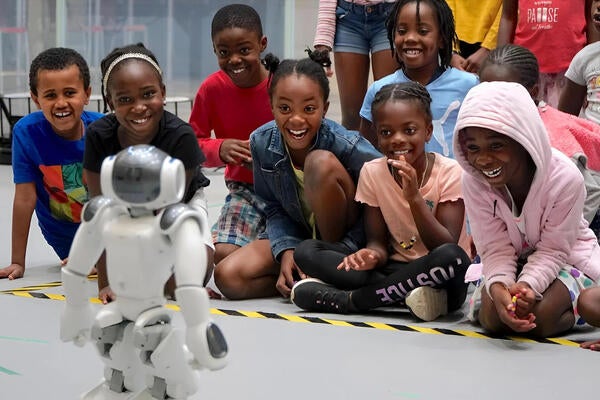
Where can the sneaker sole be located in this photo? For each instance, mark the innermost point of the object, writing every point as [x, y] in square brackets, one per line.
[427, 303]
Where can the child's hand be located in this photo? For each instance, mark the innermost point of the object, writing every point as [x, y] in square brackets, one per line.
[106, 295]
[237, 152]
[362, 260]
[286, 279]
[406, 176]
[504, 307]
[13, 271]
[525, 299]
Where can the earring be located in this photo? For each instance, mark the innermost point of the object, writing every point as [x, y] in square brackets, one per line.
[164, 102]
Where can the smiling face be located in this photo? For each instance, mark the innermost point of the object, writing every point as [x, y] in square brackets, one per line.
[136, 95]
[402, 130]
[500, 159]
[298, 107]
[417, 40]
[62, 97]
[238, 53]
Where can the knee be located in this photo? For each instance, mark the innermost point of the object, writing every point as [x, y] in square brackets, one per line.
[456, 253]
[588, 305]
[229, 280]
[319, 167]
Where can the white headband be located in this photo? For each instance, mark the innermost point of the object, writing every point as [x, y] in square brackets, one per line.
[125, 57]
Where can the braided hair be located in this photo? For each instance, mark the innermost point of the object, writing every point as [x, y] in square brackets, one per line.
[311, 67]
[519, 59]
[405, 91]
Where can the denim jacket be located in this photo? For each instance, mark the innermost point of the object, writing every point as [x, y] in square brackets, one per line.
[275, 182]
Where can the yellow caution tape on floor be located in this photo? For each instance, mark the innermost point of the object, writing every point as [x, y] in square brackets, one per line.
[22, 292]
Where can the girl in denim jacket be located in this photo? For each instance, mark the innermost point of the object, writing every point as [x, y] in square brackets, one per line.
[305, 169]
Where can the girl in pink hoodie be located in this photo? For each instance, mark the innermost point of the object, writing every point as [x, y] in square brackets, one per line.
[524, 201]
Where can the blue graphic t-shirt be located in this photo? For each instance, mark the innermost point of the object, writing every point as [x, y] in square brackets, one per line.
[54, 164]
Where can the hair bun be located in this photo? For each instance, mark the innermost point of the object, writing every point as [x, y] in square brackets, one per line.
[271, 62]
[321, 57]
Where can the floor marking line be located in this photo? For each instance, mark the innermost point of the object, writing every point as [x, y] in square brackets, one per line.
[27, 340]
[8, 371]
[335, 322]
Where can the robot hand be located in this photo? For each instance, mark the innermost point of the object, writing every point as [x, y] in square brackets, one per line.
[75, 324]
[208, 346]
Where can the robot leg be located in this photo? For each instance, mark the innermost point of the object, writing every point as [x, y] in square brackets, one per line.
[123, 371]
[166, 360]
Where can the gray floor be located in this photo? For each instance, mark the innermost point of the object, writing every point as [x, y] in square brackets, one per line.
[275, 353]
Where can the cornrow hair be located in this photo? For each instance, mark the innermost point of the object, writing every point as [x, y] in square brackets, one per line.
[308, 67]
[137, 51]
[236, 16]
[518, 59]
[56, 59]
[445, 20]
[410, 91]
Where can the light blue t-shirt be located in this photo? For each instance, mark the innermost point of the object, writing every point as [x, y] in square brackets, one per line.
[447, 93]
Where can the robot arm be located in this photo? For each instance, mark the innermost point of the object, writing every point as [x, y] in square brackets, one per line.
[203, 338]
[86, 249]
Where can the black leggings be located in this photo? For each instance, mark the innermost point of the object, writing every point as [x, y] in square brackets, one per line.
[444, 267]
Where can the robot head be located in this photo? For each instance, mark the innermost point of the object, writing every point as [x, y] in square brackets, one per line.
[143, 176]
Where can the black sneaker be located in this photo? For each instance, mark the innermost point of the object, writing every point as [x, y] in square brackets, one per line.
[313, 294]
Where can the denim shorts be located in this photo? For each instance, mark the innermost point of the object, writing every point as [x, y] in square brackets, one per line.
[361, 29]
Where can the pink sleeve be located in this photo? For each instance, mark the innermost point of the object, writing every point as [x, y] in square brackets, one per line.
[559, 230]
[325, 31]
[450, 178]
[365, 189]
[200, 122]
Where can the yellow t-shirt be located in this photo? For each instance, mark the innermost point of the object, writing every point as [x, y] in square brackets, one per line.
[477, 21]
[309, 216]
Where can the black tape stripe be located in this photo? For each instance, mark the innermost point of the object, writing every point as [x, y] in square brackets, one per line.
[358, 324]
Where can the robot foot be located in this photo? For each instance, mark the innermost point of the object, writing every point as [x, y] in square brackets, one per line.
[103, 392]
[158, 391]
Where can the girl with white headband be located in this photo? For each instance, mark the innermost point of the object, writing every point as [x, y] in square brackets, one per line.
[134, 91]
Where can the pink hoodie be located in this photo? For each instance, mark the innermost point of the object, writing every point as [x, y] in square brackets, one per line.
[553, 210]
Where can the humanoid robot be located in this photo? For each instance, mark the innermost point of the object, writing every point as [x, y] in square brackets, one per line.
[147, 235]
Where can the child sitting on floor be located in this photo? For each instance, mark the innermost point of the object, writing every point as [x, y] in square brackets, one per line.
[414, 221]
[524, 201]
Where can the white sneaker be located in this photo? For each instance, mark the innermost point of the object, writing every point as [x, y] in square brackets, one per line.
[427, 303]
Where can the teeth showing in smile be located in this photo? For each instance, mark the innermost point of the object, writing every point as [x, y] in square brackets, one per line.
[400, 153]
[493, 173]
[238, 70]
[412, 52]
[298, 133]
[62, 114]
[140, 121]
